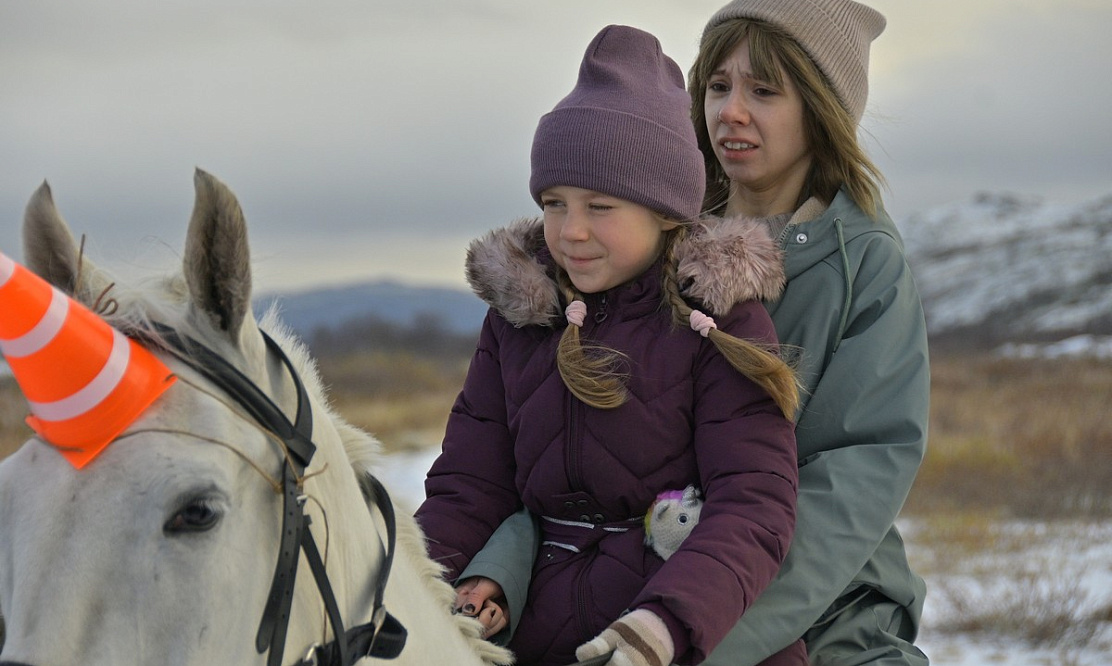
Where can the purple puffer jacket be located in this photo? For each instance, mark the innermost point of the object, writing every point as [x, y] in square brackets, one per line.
[517, 436]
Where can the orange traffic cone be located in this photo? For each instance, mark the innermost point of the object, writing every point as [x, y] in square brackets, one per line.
[85, 381]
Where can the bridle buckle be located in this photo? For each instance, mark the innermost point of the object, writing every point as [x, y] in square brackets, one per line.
[310, 658]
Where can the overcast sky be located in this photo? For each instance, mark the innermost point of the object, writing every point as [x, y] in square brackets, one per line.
[375, 138]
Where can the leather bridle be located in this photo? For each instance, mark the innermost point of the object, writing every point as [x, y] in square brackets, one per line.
[381, 638]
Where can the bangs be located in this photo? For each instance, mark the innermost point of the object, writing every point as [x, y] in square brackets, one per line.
[767, 49]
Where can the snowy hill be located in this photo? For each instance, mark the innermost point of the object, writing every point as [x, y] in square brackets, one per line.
[1001, 269]
[997, 272]
[997, 269]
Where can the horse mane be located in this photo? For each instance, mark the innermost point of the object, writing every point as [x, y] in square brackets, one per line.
[362, 450]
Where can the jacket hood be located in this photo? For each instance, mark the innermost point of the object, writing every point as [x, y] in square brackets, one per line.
[721, 262]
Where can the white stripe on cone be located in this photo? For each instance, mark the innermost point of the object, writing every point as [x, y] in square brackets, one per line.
[43, 332]
[93, 393]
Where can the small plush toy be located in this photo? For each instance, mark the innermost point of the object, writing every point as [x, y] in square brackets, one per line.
[671, 518]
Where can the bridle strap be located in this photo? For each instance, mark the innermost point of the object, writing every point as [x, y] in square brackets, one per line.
[384, 637]
[276, 614]
[298, 440]
[600, 660]
[297, 436]
[316, 565]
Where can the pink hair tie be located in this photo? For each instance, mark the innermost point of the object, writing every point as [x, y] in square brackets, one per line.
[576, 312]
[701, 323]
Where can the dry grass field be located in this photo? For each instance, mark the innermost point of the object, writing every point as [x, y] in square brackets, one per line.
[1009, 438]
[13, 409]
[403, 399]
[1018, 438]
[1009, 520]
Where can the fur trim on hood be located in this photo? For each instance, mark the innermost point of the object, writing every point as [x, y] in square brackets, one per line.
[503, 270]
[721, 262]
[724, 261]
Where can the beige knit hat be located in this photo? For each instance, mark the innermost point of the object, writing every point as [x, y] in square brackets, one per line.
[835, 33]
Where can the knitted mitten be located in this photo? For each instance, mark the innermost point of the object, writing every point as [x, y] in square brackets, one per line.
[639, 638]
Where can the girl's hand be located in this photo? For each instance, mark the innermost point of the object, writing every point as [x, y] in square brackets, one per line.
[483, 599]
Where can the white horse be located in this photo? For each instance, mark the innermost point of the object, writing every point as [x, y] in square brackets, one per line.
[163, 549]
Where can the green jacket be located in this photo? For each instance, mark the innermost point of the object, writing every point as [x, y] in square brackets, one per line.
[851, 307]
[853, 314]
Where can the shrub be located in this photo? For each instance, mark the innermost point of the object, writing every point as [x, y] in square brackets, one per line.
[1028, 438]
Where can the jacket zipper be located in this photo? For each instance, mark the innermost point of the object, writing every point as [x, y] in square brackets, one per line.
[601, 314]
[782, 241]
[575, 413]
[583, 616]
[575, 473]
[571, 458]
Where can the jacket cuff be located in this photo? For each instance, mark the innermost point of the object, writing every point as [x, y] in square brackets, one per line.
[513, 588]
[507, 559]
[681, 638]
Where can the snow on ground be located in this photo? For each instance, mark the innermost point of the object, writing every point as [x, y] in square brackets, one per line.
[1033, 578]
[1079, 346]
[403, 474]
[1056, 565]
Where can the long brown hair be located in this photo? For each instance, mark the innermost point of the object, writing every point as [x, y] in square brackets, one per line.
[595, 374]
[839, 160]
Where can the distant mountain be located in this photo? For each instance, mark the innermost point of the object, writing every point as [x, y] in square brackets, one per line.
[1001, 268]
[455, 310]
[996, 269]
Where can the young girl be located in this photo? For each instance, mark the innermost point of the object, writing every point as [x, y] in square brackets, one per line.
[625, 354]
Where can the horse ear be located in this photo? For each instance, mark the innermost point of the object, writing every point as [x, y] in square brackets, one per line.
[48, 246]
[217, 261]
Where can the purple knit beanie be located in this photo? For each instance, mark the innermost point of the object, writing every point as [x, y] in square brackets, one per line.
[624, 130]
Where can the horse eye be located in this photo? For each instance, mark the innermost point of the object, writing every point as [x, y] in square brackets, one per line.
[198, 515]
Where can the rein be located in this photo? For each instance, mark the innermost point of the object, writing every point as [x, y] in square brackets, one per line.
[381, 638]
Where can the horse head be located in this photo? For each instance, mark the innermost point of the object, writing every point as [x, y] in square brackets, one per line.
[166, 546]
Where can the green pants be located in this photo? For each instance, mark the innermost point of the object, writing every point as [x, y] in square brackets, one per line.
[861, 628]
